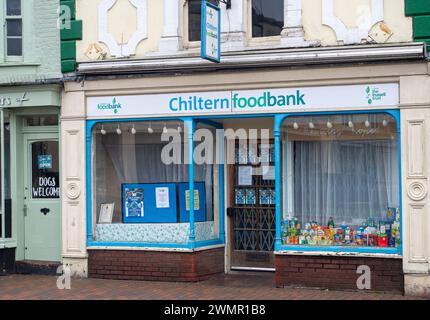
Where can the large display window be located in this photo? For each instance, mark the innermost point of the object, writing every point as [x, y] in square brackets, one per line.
[340, 181]
[141, 185]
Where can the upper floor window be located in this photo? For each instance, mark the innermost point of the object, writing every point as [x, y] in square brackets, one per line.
[194, 18]
[13, 28]
[267, 18]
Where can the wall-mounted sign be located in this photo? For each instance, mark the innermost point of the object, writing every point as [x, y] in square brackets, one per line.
[247, 101]
[211, 32]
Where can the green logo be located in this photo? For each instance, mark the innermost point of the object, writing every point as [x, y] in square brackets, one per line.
[111, 106]
[374, 94]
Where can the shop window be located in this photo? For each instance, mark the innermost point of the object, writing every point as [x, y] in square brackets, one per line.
[13, 25]
[267, 18]
[194, 18]
[141, 185]
[341, 181]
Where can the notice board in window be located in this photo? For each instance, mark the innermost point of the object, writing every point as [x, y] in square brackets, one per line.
[199, 202]
[149, 203]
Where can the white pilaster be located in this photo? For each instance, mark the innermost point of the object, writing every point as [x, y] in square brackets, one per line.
[415, 131]
[74, 251]
[171, 40]
[293, 34]
[233, 27]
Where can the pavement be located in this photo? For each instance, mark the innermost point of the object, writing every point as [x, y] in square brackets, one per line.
[240, 286]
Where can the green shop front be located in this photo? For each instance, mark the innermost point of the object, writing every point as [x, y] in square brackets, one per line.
[30, 233]
[301, 181]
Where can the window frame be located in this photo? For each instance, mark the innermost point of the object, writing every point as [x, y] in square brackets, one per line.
[258, 41]
[9, 58]
[279, 247]
[91, 212]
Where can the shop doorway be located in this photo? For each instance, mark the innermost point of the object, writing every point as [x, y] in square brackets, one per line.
[252, 207]
[42, 206]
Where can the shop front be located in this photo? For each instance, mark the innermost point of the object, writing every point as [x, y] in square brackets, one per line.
[30, 179]
[182, 181]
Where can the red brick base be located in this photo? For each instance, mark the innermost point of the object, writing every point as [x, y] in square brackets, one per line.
[337, 272]
[155, 265]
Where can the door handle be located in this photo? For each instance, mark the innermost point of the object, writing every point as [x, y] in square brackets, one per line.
[25, 210]
[45, 211]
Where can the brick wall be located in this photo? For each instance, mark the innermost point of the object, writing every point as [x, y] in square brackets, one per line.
[337, 272]
[155, 265]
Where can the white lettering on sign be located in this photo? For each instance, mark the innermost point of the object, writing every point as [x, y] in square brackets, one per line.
[47, 188]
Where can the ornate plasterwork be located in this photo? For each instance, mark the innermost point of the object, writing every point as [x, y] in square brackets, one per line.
[352, 35]
[128, 49]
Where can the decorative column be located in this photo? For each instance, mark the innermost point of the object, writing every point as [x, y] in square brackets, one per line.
[292, 34]
[73, 180]
[278, 207]
[171, 40]
[415, 151]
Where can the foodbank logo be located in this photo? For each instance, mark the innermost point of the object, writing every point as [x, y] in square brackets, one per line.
[114, 106]
[374, 94]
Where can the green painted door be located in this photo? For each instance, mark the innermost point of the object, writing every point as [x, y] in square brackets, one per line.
[42, 206]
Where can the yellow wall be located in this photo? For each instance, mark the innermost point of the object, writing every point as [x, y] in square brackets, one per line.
[348, 12]
[122, 22]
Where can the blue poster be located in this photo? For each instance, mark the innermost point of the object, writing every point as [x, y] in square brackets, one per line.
[44, 161]
[134, 207]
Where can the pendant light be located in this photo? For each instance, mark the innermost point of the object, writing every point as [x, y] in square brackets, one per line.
[118, 130]
[133, 130]
[295, 126]
[150, 130]
[165, 128]
[103, 131]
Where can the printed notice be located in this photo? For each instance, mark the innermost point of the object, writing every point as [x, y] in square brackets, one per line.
[196, 200]
[245, 176]
[162, 198]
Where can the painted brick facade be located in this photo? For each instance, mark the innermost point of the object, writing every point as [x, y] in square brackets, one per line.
[337, 272]
[155, 265]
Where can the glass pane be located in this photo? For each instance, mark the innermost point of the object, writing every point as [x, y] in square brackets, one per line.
[267, 17]
[7, 192]
[13, 7]
[14, 27]
[41, 121]
[14, 47]
[45, 170]
[194, 21]
[341, 181]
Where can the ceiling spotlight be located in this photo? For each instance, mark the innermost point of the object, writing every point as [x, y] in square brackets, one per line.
[367, 123]
[311, 125]
[295, 125]
[103, 131]
[150, 130]
[165, 128]
[351, 124]
[118, 130]
[133, 130]
[329, 125]
[385, 122]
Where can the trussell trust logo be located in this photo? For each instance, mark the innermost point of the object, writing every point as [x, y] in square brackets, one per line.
[114, 105]
[373, 93]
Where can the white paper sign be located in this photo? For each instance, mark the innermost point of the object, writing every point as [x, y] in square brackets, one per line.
[162, 197]
[245, 176]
